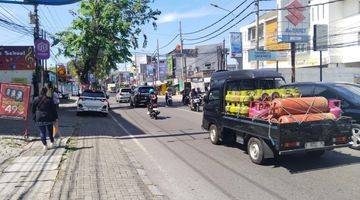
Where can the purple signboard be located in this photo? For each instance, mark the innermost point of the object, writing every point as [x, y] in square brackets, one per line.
[42, 49]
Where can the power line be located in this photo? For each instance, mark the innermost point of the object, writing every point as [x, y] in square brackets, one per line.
[177, 35]
[242, 19]
[219, 29]
[307, 6]
[197, 31]
[11, 15]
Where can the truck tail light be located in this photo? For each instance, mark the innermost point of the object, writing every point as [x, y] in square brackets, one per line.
[291, 144]
[340, 139]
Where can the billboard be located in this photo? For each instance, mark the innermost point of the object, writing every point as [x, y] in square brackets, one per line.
[170, 65]
[271, 32]
[235, 45]
[14, 101]
[50, 2]
[17, 58]
[267, 55]
[293, 21]
[163, 68]
[42, 49]
[150, 70]
[320, 40]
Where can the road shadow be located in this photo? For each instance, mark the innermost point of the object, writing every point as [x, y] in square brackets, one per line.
[301, 163]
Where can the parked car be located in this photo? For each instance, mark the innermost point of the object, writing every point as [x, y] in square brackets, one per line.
[140, 96]
[348, 93]
[123, 95]
[93, 101]
[263, 139]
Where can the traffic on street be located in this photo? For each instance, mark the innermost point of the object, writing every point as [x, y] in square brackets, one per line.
[179, 100]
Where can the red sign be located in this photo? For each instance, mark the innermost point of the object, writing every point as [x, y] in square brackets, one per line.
[14, 101]
[295, 15]
[17, 58]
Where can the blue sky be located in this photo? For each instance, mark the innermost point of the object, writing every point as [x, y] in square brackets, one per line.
[194, 14]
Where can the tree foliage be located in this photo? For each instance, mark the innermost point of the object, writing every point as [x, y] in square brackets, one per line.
[103, 33]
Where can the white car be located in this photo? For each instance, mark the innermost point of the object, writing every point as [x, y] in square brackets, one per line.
[93, 101]
[123, 95]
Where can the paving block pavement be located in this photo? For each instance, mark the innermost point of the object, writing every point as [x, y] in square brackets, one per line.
[32, 174]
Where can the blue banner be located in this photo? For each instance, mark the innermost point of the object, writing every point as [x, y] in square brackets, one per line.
[44, 2]
[235, 45]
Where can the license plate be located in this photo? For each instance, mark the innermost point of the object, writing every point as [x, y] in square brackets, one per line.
[312, 145]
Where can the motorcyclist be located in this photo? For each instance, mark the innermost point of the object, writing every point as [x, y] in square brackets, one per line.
[153, 100]
[193, 95]
[167, 94]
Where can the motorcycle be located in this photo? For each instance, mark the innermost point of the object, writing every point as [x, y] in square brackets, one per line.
[186, 100]
[154, 111]
[169, 100]
[195, 105]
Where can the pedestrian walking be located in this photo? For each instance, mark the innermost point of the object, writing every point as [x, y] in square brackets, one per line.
[44, 112]
[56, 99]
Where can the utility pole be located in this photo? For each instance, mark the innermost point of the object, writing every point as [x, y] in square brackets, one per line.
[158, 60]
[224, 55]
[257, 30]
[183, 59]
[38, 62]
[293, 51]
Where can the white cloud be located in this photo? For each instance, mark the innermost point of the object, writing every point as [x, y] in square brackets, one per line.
[175, 16]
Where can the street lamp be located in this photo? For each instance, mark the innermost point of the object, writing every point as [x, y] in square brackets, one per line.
[217, 6]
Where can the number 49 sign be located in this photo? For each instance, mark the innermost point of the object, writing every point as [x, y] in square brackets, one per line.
[14, 101]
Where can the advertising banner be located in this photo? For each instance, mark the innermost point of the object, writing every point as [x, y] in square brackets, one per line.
[163, 69]
[293, 21]
[170, 65]
[320, 40]
[267, 55]
[271, 43]
[14, 101]
[17, 58]
[149, 70]
[42, 49]
[235, 45]
[48, 2]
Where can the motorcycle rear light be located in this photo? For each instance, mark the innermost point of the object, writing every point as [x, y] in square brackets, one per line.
[291, 144]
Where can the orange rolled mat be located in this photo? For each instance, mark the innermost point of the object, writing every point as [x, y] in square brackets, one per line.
[306, 118]
[298, 106]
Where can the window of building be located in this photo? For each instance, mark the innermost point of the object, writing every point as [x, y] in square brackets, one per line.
[358, 38]
[323, 11]
[318, 12]
[251, 33]
[312, 13]
[261, 31]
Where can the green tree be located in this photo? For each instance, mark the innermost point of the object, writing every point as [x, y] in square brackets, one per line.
[103, 33]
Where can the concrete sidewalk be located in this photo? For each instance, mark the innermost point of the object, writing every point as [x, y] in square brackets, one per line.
[32, 174]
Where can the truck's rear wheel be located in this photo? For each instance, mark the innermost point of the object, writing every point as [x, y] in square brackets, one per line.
[214, 134]
[255, 150]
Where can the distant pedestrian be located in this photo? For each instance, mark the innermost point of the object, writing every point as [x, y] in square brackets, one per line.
[56, 99]
[44, 111]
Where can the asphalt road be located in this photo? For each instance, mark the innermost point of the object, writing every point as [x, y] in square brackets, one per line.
[178, 157]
